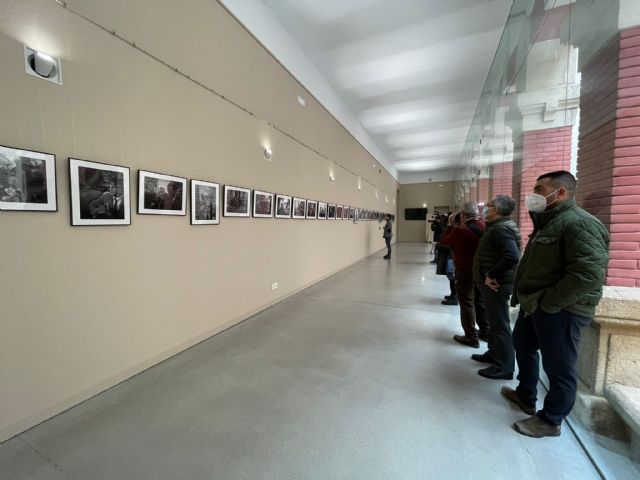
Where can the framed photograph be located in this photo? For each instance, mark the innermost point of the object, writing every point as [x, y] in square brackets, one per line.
[299, 208]
[27, 180]
[331, 212]
[322, 211]
[351, 213]
[237, 201]
[100, 193]
[339, 212]
[205, 203]
[312, 209]
[262, 204]
[160, 194]
[345, 212]
[283, 206]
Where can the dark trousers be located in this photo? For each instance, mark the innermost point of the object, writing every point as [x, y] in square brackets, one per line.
[471, 305]
[557, 336]
[500, 341]
[452, 287]
[388, 242]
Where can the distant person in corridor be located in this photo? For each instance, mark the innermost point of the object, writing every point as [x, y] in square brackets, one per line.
[558, 285]
[387, 235]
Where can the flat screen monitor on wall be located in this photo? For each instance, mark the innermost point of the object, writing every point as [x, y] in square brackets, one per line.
[415, 213]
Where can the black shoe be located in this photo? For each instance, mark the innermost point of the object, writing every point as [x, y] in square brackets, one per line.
[468, 341]
[482, 358]
[450, 301]
[433, 261]
[511, 395]
[387, 257]
[494, 373]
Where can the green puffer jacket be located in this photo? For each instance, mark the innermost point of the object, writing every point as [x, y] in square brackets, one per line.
[564, 264]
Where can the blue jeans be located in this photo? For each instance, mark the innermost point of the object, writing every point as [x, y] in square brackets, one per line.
[556, 336]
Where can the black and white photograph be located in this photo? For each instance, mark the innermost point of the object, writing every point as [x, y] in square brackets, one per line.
[262, 204]
[205, 203]
[345, 212]
[339, 212]
[312, 213]
[283, 206]
[100, 193]
[331, 212]
[351, 213]
[27, 180]
[299, 208]
[160, 194]
[237, 201]
[322, 211]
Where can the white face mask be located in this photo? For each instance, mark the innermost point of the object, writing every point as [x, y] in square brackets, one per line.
[537, 203]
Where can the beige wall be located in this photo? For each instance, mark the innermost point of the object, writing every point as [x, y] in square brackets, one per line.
[414, 196]
[83, 308]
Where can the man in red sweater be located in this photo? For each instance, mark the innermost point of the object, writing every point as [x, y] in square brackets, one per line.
[463, 240]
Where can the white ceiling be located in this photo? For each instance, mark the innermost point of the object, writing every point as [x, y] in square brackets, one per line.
[409, 71]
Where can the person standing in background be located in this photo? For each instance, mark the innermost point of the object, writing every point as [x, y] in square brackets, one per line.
[387, 235]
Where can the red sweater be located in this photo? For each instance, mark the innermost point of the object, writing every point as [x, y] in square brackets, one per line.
[464, 242]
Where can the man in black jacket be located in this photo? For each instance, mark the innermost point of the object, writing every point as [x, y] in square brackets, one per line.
[387, 235]
[494, 269]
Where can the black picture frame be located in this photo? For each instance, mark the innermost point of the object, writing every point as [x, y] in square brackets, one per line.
[161, 194]
[283, 206]
[299, 205]
[100, 193]
[237, 201]
[205, 203]
[262, 200]
[27, 180]
[312, 210]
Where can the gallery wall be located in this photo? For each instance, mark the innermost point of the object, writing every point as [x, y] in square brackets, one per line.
[433, 194]
[83, 308]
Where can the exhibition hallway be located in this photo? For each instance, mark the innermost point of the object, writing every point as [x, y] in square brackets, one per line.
[354, 378]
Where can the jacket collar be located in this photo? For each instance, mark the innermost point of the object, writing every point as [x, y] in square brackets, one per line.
[541, 219]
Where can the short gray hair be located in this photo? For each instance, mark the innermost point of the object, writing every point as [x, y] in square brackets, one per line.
[470, 209]
[505, 205]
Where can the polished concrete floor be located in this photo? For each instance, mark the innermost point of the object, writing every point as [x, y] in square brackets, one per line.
[354, 378]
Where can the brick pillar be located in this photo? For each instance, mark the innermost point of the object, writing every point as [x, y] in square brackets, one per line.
[483, 190]
[609, 151]
[542, 151]
[501, 179]
[473, 193]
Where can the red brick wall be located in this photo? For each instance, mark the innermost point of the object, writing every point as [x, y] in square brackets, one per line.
[473, 194]
[501, 179]
[609, 151]
[483, 190]
[542, 151]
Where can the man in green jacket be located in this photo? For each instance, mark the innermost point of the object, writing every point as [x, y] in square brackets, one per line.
[558, 285]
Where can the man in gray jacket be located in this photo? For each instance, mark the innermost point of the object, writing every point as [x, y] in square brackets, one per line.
[494, 270]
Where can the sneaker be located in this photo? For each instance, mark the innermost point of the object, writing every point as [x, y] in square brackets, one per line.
[450, 301]
[468, 341]
[494, 373]
[536, 427]
[511, 395]
[482, 357]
